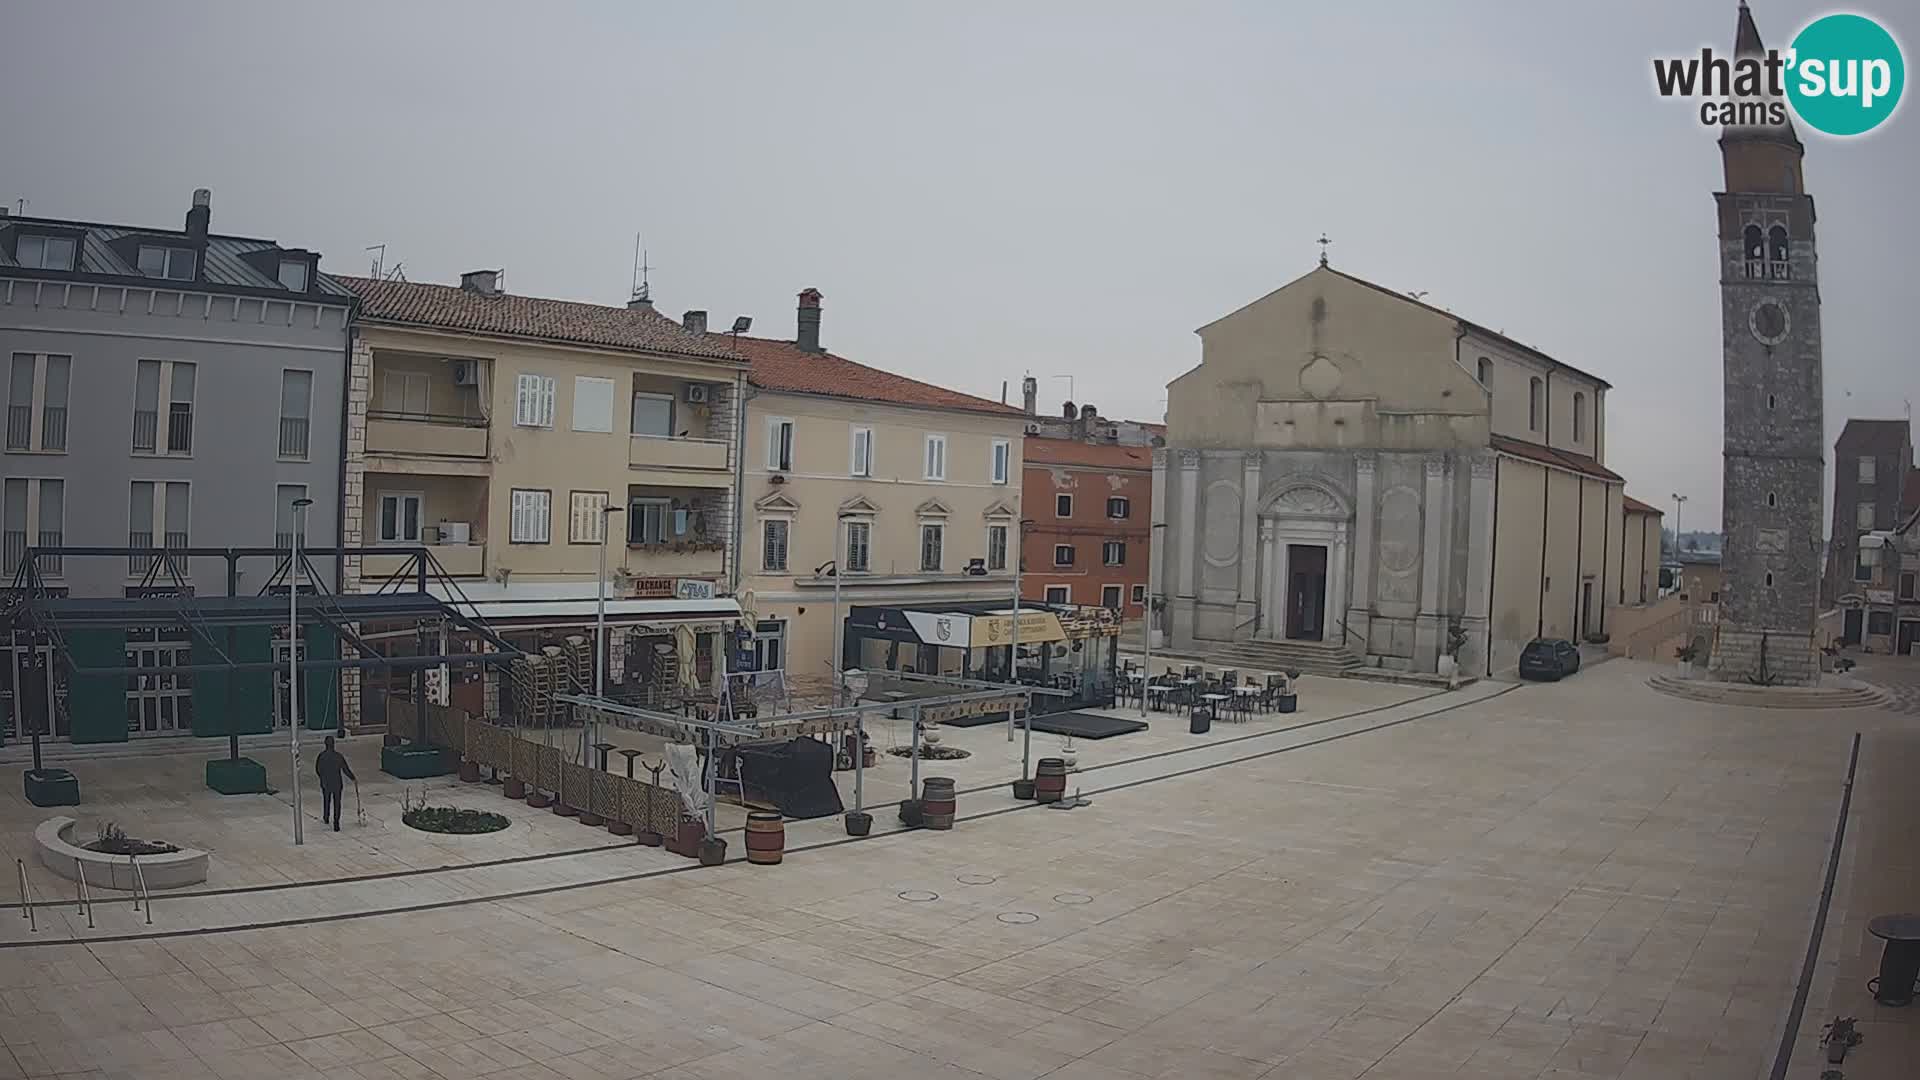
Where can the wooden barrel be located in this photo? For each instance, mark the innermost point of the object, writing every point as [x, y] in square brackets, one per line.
[937, 802]
[1050, 780]
[766, 838]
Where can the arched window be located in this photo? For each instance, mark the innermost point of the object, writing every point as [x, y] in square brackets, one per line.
[1485, 371]
[1769, 402]
[1579, 417]
[1777, 251]
[1755, 243]
[1771, 502]
[1769, 581]
[1534, 389]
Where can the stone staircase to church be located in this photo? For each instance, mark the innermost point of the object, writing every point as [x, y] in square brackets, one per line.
[1308, 657]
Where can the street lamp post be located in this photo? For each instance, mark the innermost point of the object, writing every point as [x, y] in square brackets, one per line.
[293, 665]
[1146, 621]
[1026, 729]
[599, 624]
[1679, 501]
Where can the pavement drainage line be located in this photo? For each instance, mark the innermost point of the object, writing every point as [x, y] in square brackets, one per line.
[1792, 1031]
[548, 890]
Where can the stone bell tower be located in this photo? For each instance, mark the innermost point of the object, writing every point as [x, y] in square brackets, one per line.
[1774, 470]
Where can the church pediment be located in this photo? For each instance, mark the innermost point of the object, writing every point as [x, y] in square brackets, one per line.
[1300, 498]
[776, 503]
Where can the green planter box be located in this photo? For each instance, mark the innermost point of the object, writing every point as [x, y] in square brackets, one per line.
[237, 776]
[416, 762]
[52, 787]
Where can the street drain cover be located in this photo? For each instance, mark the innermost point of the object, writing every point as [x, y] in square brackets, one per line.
[976, 879]
[1017, 917]
[1073, 898]
[918, 896]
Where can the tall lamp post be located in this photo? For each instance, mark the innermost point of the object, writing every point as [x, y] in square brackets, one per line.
[1679, 501]
[1146, 622]
[600, 624]
[293, 664]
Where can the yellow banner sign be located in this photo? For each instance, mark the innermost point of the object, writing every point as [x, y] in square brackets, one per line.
[1035, 626]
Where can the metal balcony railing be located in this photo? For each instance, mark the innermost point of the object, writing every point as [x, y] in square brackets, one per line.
[293, 436]
[283, 541]
[51, 564]
[180, 428]
[13, 548]
[146, 425]
[53, 427]
[139, 563]
[19, 427]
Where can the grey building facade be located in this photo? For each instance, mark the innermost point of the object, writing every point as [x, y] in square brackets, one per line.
[1774, 470]
[165, 388]
[1871, 460]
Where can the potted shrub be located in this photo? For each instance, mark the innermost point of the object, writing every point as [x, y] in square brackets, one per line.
[859, 823]
[1023, 789]
[1449, 664]
[713, 851]
[1685, 654]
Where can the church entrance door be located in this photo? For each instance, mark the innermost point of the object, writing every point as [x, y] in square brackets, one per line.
[1306, 591]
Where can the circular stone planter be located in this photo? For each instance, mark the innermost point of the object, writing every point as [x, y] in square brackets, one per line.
[58, 853]
[455, 821]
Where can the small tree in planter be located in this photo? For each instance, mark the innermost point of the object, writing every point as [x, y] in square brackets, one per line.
[1686, 654]
[1449, 664]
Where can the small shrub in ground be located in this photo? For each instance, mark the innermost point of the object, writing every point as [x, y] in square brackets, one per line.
[111, 839]
[932, 753]
[452, 819]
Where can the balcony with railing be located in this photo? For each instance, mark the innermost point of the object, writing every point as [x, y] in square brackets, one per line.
[20, 427]
[406, 434]
[146, 424]
[180, 428]
[53, 427]
[139, 561]
[293, 437]
[1768, 269]
[51, 565]
[453, 560]
[704, 459]
[13, 548]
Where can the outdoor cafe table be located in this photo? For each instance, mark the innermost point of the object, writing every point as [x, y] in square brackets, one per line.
[1246, 695]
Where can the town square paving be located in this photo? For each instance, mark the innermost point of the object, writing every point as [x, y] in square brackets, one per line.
[1579, 880]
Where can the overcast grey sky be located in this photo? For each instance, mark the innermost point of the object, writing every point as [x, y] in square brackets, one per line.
[988, 189]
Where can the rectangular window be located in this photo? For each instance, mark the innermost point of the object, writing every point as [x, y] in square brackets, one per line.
[1879, 622]
[586, 524]
[592, 403]
[1059, 594]
[1002, 460]
[45, 252]
[936, 462]
[533, 401]
[284, 517]
[13, 520]
[1139, 594]
[1063, 554]
[20, 401]
[996, 547]
[859, 547]
[146, 405]
[293, 275]
[404, 394]
[177, 530]
[1906, 586]
[1863, 515]
[773, 545]
[296, 398]
[172, 263]
[400, 517]
[860, 455]
[1110, 597]
[651, 414]
[649, 520]
[140, 520]
[933, 540]
[53, 405]
[1119, 508]
[180, 409]
[779, 444]
[1063, 506]
[1113, 553]
[1861, 571]
[532, 515]
[1866, 470]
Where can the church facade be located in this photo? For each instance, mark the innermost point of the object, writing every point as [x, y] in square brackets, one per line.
[1351, 469]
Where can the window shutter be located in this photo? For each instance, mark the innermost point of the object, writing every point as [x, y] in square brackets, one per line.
[546, 407]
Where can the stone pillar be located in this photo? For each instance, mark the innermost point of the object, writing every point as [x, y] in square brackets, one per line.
[1188, 545]
[353, 501]
[1430, 630]
[1479, 566]
[490, 683]
[1248, 607]
[1273, 611]
[1360, 594]
[1158, 545]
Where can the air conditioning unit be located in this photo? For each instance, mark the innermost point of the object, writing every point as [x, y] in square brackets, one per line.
[466, 373]
[696, 393]
[456, 532]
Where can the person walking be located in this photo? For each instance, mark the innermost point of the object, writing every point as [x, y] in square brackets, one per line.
[331, 765]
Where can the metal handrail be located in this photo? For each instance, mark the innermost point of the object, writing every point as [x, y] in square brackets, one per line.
[140, 887]
[26, 905]
[86, 896]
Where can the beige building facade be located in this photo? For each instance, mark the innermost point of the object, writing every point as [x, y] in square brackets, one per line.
[1351, 469]
[912, 490]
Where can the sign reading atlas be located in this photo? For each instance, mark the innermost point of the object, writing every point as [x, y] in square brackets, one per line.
[1843, 75]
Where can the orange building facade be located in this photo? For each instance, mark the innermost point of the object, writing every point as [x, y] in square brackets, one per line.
[1090, 509]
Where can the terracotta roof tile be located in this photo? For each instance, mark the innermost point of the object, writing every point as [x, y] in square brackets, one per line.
[1547, 455]
[784, 367]
[1635, 506]
[449, 307]
[1042, 451]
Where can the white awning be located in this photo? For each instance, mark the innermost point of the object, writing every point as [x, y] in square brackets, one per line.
[565, 602]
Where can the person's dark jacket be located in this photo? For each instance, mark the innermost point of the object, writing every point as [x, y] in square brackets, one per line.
[330, 765]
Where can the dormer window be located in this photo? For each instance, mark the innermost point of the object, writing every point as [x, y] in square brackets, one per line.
[172, 263]
[45, 252]
[293, 274]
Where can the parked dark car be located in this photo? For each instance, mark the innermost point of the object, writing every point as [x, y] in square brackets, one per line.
[1549, 659]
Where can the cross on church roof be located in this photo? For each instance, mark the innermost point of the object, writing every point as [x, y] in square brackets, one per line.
[1323, 242]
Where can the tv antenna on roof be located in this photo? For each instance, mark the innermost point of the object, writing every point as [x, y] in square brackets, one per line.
[642, 289]
[379, 256]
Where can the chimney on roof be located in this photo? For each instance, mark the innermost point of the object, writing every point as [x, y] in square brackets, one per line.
[1088, 412]
[695, 322]
[200, 214]
[808, 337]
[1030, 394]
[1067, 411]
[484, 282]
